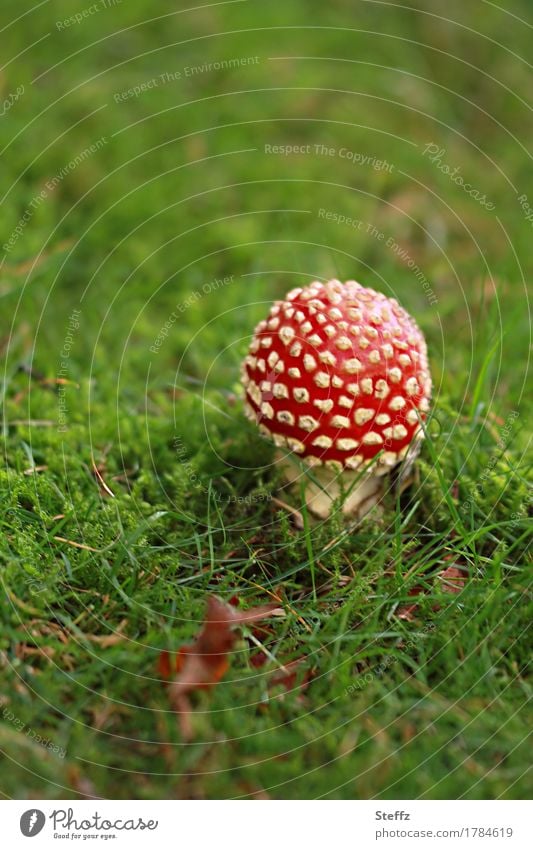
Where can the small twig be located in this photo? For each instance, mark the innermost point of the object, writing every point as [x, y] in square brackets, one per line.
[100, 479]
[76, 544]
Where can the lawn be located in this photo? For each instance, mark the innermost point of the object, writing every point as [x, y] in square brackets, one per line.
[167, 173]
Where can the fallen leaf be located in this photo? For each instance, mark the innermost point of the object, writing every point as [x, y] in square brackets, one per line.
[105, 640]
[407, 611]
[453, 579]
[81, 784]
[33, 263]
[203, 663]
[258, 659]
[58, 381]
[289, 678]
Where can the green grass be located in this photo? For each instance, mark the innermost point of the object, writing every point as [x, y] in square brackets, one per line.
[181, 192]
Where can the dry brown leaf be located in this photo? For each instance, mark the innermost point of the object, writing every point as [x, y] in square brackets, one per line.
[289, 675]
[203, 663]
[453, 579]
[407, 611]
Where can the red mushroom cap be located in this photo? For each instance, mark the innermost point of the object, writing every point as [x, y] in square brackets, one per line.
[338, 374]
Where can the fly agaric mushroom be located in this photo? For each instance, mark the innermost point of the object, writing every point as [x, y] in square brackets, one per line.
[338, 375]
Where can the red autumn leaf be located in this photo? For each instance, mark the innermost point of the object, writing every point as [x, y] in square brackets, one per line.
[288, 676]
[258, 659]
[203, 663]
[453, 579]
[407, 611]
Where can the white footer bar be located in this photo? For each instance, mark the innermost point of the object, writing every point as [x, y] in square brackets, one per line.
[266, 824]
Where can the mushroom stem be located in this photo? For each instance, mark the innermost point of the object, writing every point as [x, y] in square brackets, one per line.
[364, 489]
